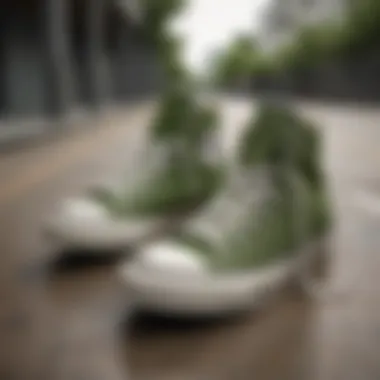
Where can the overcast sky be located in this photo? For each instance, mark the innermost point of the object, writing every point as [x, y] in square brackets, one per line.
[209, 24]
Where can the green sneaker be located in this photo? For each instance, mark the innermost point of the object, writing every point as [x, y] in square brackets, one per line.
[190, 173]
[242, 246]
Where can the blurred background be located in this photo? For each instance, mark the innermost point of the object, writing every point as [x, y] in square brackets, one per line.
[79, 83]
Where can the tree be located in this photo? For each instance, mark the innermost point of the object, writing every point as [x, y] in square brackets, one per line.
[236, 61]
[156, 14]
[362, 28]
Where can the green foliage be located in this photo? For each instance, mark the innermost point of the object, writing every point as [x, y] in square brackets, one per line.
[362, 28]
[169, 54]
[323, 43]
[237, 60]
[313, 45]
[156, 14]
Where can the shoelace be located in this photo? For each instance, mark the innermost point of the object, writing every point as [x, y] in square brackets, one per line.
[232, 207]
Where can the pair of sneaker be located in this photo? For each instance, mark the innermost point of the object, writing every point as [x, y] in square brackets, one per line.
[259, 231]
[252, 233]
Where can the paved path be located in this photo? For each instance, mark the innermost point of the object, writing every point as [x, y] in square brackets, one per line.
[66, 326]
[349, 322]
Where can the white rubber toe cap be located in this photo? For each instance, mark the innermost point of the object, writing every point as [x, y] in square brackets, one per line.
[83, 210]
[172, 259]
[169, 277]
[84, 223]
